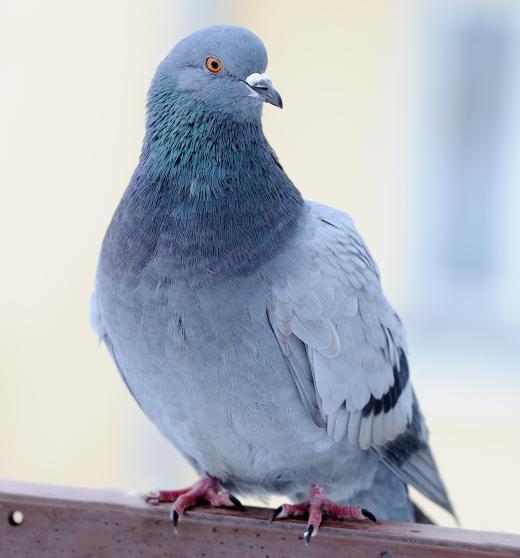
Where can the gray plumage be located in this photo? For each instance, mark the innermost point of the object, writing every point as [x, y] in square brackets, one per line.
[249, 325]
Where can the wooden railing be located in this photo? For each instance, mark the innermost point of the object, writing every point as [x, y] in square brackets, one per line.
[54, 522]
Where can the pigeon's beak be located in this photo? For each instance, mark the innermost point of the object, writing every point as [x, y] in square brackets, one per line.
[263, 88]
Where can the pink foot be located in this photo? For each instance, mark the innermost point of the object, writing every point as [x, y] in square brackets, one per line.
[206, 489]
[317, 504]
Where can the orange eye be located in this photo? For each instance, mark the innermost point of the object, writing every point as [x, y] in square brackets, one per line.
[213, 64]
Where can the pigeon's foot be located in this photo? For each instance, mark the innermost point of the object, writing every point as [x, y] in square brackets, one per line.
[205, 490]
[315, 506]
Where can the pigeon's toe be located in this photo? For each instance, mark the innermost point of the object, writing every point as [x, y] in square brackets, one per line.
[205, 490]
[152, 498]
[317, 505]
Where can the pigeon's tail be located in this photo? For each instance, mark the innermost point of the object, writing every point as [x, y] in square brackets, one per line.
[420, 471]
[410, 458]
[420, 516]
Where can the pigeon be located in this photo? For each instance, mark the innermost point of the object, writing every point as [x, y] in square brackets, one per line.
[248, 323]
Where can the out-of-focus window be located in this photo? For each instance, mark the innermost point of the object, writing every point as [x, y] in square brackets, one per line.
[466, 183]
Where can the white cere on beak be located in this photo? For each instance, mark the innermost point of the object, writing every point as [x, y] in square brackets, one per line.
[253, 79]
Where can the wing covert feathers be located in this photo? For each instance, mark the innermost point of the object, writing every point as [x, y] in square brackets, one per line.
[343, 342]
[346, 350]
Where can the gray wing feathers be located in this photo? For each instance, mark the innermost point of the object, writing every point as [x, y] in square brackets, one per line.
[346, 350]
[340, 336]
[299, 365]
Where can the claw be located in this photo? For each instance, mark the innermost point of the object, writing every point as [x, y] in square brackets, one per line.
[317, 505]
[205, 490]
[275, 513]
[308, 534]
[237, 503]
[369, 515]
[152, 498]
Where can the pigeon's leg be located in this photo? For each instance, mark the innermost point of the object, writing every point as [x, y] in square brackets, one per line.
[206, 489]
[316, 505]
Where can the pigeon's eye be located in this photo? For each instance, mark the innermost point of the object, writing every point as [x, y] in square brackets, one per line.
[213, 64]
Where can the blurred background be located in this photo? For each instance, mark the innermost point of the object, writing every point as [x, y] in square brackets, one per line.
[404, 113]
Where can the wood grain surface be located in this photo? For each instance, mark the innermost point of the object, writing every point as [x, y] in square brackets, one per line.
[54, 522]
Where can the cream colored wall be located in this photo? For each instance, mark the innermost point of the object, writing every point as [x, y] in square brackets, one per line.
[74, 78]
[74, 81]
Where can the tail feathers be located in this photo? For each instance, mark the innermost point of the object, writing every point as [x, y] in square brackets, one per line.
[409, 457]
[420, 471]
[420, 516]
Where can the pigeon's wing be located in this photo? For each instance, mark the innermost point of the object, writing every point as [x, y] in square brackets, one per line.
[346, 350]
[343, 341]
[97, 324]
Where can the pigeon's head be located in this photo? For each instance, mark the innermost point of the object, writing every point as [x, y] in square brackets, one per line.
[220, 68]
